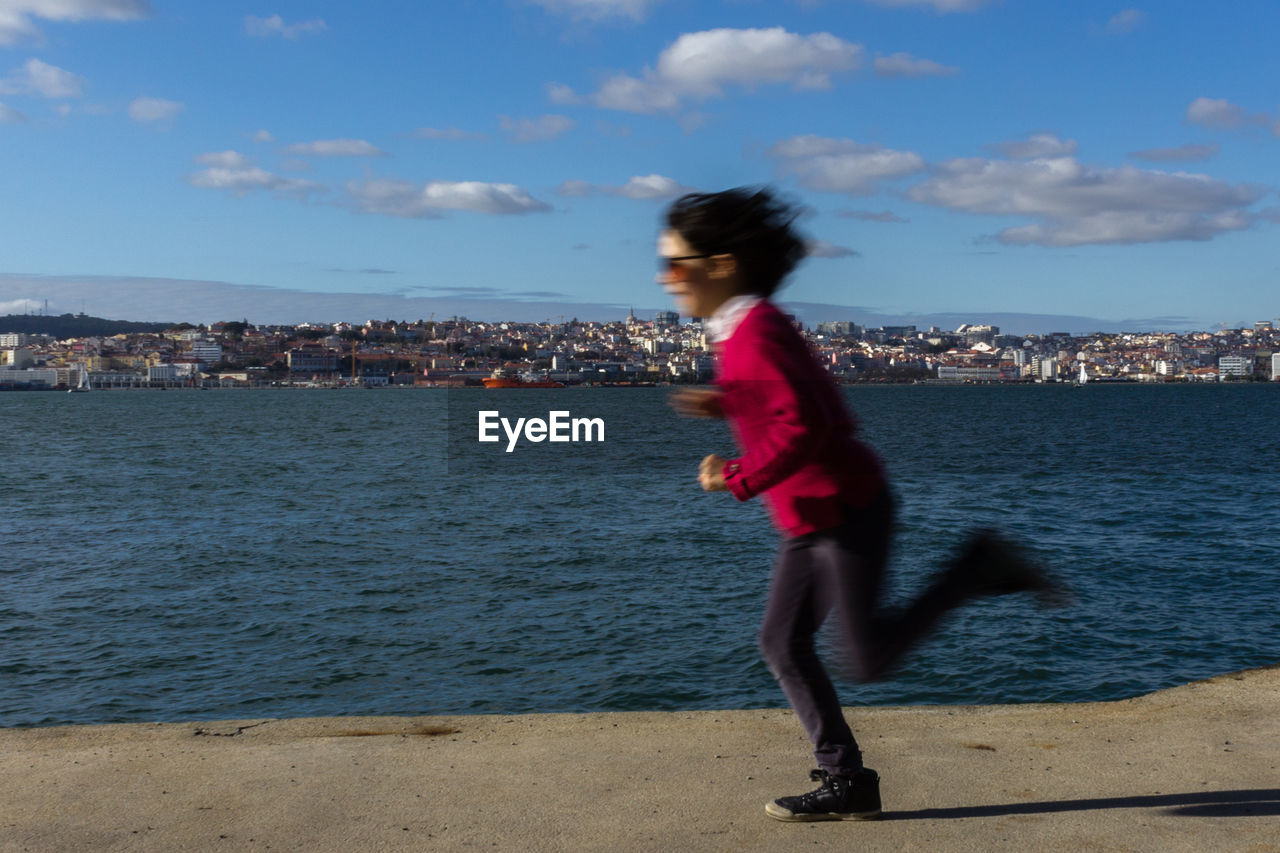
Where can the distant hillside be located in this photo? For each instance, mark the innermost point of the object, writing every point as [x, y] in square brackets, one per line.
[74, 326]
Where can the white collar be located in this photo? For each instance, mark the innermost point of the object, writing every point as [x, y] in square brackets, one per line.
[721, 325]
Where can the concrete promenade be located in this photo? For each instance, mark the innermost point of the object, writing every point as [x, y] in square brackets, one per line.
[1194, 768]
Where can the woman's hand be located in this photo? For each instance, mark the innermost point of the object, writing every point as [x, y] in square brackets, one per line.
[711, 474]
[697, 402]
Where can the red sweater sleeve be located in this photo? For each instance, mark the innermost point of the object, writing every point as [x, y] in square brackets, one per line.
[766, 387]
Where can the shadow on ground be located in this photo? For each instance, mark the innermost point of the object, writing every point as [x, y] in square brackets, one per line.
[1255, 802]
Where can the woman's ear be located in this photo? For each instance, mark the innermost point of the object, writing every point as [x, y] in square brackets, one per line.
[723, 266]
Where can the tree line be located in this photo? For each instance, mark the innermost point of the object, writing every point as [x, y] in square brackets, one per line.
[74, 326]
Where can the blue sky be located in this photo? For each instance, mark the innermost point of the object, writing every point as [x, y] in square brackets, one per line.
[317, 161]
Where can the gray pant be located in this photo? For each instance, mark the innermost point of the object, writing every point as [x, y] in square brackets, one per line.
[842, 568]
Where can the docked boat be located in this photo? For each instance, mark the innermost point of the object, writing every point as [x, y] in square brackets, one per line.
[510, 379]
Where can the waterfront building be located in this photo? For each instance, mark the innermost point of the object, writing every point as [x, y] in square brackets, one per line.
[17, 358]
[1049, 369]
[955, 373]
[1234, 365]
[311, 359]
[31, 377]
[1275, 367]
[206, 351]
[115, 379]
[160, 374]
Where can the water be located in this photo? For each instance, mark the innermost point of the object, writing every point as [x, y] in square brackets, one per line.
[237, 554]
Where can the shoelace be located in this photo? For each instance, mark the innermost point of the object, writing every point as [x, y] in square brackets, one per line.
[829, 786]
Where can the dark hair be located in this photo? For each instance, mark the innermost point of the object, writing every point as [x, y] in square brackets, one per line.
[750, 224]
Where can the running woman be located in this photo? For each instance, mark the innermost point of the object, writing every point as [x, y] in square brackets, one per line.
[721, 258]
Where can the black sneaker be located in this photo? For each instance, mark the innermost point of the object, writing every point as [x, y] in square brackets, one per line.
[854, 797]
[996, 566]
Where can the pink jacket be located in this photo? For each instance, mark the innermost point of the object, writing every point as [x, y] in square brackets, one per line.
[792, 428]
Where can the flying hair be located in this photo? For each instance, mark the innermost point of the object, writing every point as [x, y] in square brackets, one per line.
[751, 224]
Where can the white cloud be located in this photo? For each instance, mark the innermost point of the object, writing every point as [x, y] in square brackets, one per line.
[842, 165]
[1213, 112]
[701, 65]
[19, 306]
[539, 129]
[224, 159]
[576, 189]
[596, 10]
[1221, 113]
[640, 187]
[1182, 153]
[942, 6]
[232, 171]
[8, 115]
[562, 95]
[1114, 226]
[871, 215]
[406, 199]
[263, 136]
[40, 78]
[1079, 204]
[823, 249]
[1125, 22]
[634, 95]
[1038, 145]
[16, 15]
[244, 180]
[275, 26]
[336, 148]
[153, 109]
[906, 65]
[652, 187]
[606, 128]
[448, 133]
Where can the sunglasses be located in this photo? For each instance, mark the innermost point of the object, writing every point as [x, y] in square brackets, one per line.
[672, 265]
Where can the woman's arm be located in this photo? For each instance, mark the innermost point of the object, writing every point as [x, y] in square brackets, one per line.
[778, 392]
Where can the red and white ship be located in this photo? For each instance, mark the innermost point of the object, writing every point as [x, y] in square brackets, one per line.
[503, 378]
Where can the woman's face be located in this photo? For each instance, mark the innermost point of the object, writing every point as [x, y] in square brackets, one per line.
[698, 283]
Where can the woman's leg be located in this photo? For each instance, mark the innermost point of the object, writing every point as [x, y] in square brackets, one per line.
[876, 638]
[800, 596]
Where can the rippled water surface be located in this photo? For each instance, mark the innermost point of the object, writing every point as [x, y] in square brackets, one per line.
[233, 554]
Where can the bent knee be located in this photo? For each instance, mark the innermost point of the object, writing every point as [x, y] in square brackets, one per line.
[783, 653]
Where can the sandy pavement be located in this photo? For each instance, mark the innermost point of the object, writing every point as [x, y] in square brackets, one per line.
[1193, 768]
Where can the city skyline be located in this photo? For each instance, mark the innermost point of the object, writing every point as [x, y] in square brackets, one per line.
[457, 351]
[1102, 167]
[215, 302]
